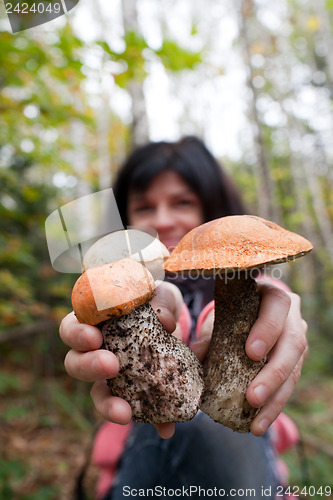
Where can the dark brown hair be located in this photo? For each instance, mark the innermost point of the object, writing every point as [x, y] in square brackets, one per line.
[190, 158]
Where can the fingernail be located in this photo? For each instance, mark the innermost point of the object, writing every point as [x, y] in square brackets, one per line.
[261, 393]
[264, 424]
[259, 348]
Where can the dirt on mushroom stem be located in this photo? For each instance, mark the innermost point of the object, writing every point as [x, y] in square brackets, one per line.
[159, 376]
[228, 371]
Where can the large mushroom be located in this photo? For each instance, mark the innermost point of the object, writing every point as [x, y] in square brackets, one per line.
[159, 376]
[231, 247]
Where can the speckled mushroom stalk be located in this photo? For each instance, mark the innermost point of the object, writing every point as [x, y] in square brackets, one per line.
[231, 247]
[159, 375]
[228, 371]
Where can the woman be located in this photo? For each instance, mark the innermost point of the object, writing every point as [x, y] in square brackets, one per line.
[174, 187]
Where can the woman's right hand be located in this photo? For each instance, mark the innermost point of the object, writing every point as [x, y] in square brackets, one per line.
[86, 361]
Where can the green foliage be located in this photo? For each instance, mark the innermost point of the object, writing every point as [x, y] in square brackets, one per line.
[38, 81]
[175, 58]
[12, 473]
[44, 493]
[295, 48]
[310, 462]
[14, 413]
[8, 382]
[41, 97]
[309, 469]
[72, 410]
[134, 58]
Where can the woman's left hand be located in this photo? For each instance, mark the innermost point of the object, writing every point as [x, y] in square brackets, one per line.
[280, 333]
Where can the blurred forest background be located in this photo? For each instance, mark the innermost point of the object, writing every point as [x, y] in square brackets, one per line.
[254, 79]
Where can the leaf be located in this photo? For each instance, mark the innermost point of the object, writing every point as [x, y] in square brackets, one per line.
[8, 383]
[175, 58]
[44, 493]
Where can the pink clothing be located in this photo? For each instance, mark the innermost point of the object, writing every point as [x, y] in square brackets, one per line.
[108, 446]
[184, 322]
[203, 315]
[285, 435]
[263, 278]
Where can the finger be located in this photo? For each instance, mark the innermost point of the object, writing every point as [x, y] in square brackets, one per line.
[79, 336]
[274, 309]
[200, 348]
[166, 318]
[276, 404]
[207, 326]
[91, 366]
[111, 408]
[167, 303]
[284, 358]
[166, 431]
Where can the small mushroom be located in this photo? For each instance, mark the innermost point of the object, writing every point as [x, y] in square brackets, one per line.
[134, 243]
[230, 248]
[159, 376]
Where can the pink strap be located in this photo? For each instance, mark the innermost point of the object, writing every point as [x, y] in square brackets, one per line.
[108, 447]
[263, 278]
[184, 322]
[203, 315]
[284, 433]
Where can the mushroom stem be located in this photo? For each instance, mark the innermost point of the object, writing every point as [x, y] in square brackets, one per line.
[228, 371]
[159, 376]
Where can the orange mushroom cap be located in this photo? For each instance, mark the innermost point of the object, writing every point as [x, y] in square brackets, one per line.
[236, 242]
[111, 290]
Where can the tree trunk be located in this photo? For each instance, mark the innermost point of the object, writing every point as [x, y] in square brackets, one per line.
[104, 157]
[103, 115]
[140, 127]
[265, 185]
[326, 32]
[319, 207]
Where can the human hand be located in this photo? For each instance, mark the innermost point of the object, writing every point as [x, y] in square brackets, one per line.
[86, 361]
[280, 333]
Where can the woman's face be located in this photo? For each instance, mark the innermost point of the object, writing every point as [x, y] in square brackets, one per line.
[168, 205]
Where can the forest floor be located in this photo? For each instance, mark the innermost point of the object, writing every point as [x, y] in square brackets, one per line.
[47, 426]
[311, 461]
